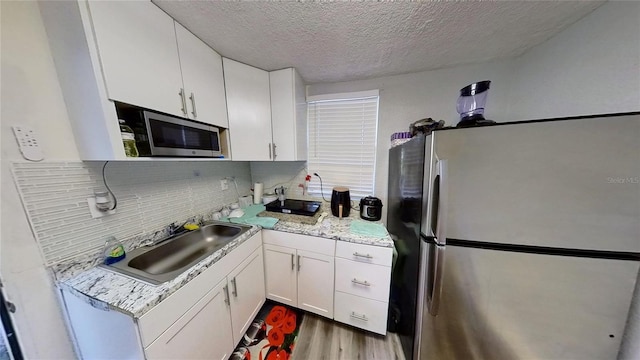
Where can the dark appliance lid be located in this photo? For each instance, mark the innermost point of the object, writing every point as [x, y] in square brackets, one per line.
[371, 201]
[296, 207]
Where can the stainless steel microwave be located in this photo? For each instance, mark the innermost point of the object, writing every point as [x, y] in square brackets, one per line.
[171, 136]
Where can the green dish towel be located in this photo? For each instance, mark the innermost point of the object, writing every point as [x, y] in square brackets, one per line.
[366, 228]
[265, 222]
[250, 217]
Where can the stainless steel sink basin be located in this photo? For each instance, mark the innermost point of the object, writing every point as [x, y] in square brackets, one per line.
[163, 262]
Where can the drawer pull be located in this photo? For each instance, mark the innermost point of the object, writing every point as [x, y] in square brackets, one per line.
[363, 283]
[359, 317]
[235, 287]
[366, 256]
[226, 294]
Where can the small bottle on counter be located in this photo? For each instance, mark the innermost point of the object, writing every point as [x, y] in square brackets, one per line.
[113, 251]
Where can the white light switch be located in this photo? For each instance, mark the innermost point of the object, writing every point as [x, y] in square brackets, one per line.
[29, 146]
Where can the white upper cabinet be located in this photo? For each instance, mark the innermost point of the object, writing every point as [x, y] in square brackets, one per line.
[203, 79]
[288, 115]
[138, 53]
[267, 113]
[130, 52]
[249, 109]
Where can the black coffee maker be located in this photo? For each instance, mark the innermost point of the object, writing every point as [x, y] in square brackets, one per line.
[340, 201]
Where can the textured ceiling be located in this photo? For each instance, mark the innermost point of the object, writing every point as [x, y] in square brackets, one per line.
[340, 41]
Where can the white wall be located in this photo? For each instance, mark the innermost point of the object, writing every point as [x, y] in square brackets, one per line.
[411, 97]
[31, 96]
[592, 67]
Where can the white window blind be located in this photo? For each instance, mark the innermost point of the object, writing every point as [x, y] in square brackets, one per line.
[342, 143]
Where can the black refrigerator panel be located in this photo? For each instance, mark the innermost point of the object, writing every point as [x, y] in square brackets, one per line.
[404, 200]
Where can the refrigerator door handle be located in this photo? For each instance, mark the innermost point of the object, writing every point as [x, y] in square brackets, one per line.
[433, 297]
[437, 255]
[440, 201]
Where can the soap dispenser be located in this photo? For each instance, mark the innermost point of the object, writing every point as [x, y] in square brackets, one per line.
[113, 251]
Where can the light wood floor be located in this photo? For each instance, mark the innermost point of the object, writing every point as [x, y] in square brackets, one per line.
[321, 339]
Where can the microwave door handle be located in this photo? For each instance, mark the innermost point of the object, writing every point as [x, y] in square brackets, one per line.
[193, 105]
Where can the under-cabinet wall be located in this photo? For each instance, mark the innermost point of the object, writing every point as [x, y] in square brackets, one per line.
[150, 196]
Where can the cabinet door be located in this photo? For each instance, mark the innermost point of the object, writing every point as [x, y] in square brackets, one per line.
[246, 285]
[280, 274]
[288, 115]
[249, 108]
[203, 80]
[138, 53]
[315, 283]
[201, 333]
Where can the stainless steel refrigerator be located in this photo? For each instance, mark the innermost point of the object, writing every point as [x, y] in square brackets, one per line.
[529, 239]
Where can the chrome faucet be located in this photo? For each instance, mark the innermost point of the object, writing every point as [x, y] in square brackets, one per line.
[280, 192]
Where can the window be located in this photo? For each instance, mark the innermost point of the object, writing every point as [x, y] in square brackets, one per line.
[342, 142]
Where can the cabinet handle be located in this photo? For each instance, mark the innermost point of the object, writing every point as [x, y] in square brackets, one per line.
[193, 105]
[274, 151]
[226, 295]
[184, 101]
[293, 265]
[364, 283]
[298, 263]
[367, 256]
[235, 288]
[269, 151]
[362, 317]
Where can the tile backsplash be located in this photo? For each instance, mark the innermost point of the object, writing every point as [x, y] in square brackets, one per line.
[150, 195]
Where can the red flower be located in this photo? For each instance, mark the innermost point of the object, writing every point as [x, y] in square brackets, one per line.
[276, 316]
[278, 355]
[307, 178]
[275, 337]
[289, 323]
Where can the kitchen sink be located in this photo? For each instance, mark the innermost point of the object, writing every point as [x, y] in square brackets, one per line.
[163, 262]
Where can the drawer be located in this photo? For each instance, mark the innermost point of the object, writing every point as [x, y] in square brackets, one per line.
[366, 280]
[368, 254]
[367, 314]
[301, 242]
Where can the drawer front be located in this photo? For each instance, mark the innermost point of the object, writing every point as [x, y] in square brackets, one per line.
[301, 242]
[362, 313]
[368, 254]
[366, 280]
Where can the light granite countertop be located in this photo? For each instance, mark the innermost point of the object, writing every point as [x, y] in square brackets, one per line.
[109, 290]
[332, 227]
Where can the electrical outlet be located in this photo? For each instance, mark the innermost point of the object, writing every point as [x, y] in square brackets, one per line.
[95, 213]
[224, 184]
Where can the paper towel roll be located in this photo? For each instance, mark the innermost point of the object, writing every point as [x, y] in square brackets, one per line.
[258, 188]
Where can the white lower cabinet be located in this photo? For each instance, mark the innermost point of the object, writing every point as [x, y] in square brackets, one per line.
[281, 277]
[246, 286]
[299, 271]
[191, 336]
[204, 319]
[361, 312]
[315, 282]
[363, 279]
